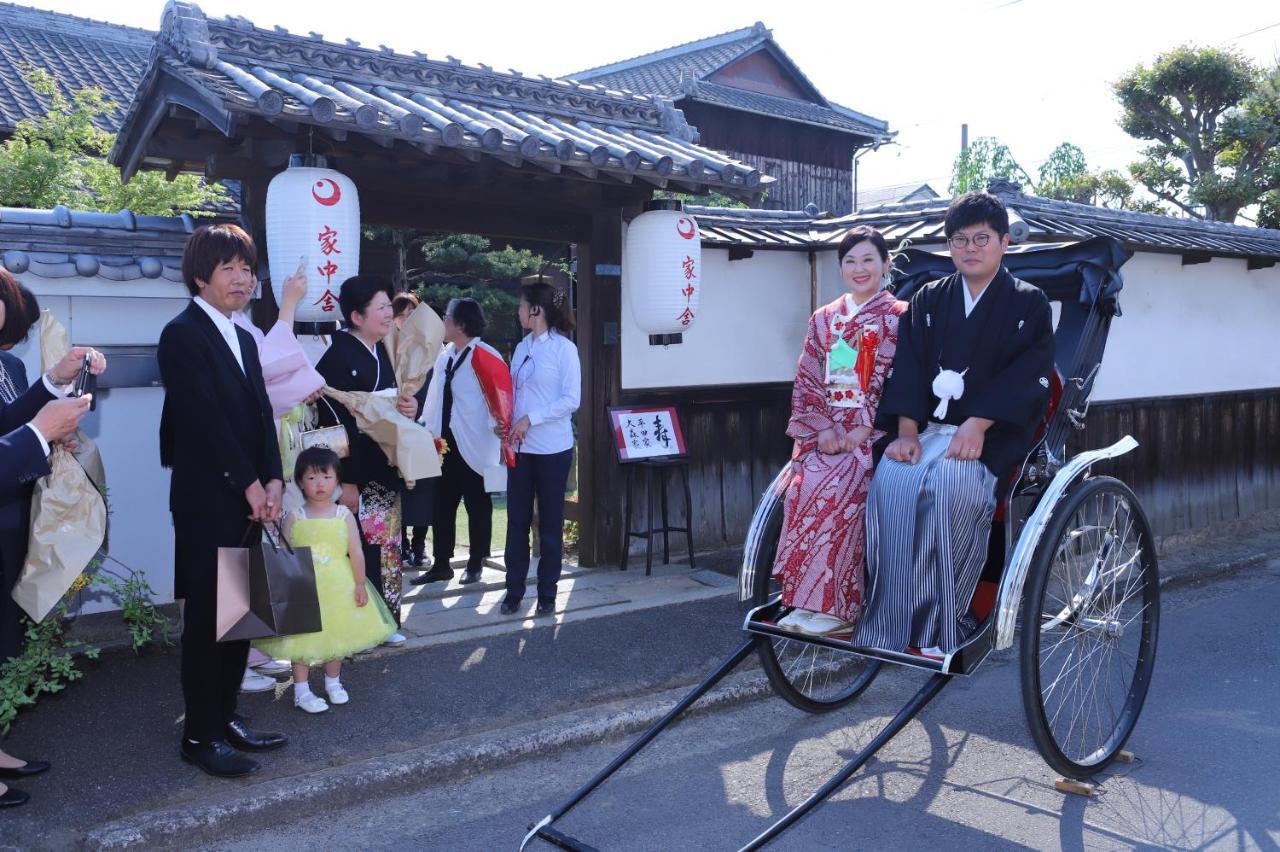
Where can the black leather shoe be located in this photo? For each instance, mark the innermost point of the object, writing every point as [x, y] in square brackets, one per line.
[32, 767]
[546, 606]
[432, 576]
[12, 798]
[245, 738]
[509, 607]
[218, 758]
[469, 578]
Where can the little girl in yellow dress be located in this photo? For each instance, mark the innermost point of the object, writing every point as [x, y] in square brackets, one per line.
[352, 614]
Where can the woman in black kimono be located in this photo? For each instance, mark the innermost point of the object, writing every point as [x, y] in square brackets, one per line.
[970, 385]
[357, 360]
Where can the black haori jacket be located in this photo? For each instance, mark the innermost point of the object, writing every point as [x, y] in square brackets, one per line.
[1006, 346]
[348, 365]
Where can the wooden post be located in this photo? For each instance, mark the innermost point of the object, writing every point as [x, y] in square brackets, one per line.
[813, 281]
[599, 317]
[253, 218]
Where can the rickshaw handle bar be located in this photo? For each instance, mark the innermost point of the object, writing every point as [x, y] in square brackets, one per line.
[744, 650]
[908, 712]
[1015, 573]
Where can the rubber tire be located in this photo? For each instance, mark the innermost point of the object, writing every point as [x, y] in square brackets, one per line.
[1033, 593]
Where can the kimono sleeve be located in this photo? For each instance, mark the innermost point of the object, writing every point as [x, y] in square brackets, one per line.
[908, 389]
[333, 367]
[809, 414]
[1019, 392]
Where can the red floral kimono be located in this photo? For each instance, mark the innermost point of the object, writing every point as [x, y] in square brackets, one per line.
[847, 354]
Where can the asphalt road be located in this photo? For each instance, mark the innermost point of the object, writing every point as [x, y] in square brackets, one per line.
[963, 775]
[113, 737]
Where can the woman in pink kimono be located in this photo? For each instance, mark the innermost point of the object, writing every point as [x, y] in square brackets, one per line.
[846, 356]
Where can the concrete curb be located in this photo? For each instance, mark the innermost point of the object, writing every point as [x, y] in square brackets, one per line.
[252, 806]
[1214, 571]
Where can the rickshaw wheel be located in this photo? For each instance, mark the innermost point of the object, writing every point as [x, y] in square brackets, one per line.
[811, 677]
[1090, 618]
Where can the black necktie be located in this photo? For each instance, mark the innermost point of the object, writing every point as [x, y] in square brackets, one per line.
[446, 408]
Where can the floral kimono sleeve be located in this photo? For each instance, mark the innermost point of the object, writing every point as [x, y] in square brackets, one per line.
[809, 412]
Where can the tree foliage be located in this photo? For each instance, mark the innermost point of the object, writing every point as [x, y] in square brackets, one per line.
[1213, 118]
[985, 158]
[60, 158]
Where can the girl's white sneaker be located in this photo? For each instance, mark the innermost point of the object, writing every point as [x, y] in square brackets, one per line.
[311, 703]
[337, 695]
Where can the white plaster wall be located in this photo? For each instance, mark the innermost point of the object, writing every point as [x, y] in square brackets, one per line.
[749, 328]
[126, 423]
[1204, 328]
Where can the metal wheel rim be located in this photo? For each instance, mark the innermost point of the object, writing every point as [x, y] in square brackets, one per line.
[818, 673]
[1092, 649]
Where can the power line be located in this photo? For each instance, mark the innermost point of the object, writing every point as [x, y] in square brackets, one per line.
[1251, 32]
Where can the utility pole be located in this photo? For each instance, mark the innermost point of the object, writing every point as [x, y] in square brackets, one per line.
[964, 138]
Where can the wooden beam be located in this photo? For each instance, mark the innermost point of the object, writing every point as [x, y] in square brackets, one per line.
[1194, 257]
[599, 301]
[1261, 262]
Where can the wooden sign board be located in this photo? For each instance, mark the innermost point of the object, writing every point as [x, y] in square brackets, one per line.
[646, 432]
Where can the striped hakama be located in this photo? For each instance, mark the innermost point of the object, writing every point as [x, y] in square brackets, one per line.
[928, 526]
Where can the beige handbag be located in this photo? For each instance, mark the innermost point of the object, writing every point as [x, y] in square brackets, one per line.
[332, 437]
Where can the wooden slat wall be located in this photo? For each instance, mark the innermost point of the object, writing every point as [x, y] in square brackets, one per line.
[803, 183]
[1201, 460]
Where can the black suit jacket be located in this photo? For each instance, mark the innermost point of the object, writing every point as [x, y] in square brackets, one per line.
[21, 461]
[217, 434]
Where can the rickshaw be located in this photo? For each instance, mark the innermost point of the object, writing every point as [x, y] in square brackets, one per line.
[1071, 571]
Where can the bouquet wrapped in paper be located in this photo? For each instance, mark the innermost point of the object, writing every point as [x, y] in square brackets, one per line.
[495, 384]
[68, 510]
[413, 350]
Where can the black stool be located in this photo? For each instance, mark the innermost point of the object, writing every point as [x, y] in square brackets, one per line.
[658, 468]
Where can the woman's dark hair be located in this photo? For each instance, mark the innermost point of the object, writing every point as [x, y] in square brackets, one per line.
[403, 303]
[210, 246]
[317, 459]
[21, 310]
[976, 208]
[862, 234]
[552, 302]
[358, 291]
[467, 315]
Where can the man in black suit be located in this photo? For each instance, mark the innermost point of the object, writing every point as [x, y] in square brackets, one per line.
[218, 438]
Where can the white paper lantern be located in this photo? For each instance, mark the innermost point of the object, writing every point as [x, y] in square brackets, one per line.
[663, 269]
[313, 213]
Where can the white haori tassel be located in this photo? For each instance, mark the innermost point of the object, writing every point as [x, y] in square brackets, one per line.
[948, 385]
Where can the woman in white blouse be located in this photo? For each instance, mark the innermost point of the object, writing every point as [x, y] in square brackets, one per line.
[547, 381]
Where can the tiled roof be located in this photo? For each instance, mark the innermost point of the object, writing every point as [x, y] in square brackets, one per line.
[895, 194]
[680, 72]
[229, 70]
[62, 243]
[78, 52]
[1039, 220]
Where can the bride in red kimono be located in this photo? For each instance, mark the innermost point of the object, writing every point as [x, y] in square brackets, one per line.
[846, 356]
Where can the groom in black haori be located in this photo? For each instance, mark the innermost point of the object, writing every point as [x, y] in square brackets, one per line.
[969, 387]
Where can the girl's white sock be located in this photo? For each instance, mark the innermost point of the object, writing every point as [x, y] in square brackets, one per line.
[332, 682]
[301, 690]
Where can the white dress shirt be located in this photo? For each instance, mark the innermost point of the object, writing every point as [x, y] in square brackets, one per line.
[470, 421]
[225, 327]
[547, 379]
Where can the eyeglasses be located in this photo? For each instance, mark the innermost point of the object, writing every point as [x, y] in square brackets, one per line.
[961, 241]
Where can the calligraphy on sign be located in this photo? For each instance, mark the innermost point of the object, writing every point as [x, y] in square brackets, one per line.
[646, 433]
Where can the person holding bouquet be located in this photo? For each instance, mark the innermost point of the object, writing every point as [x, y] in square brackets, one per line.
[458, 409]
[357, 360]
